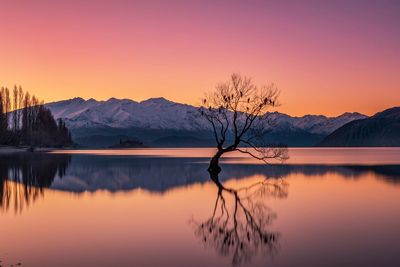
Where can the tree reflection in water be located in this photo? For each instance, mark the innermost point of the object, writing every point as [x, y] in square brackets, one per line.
[23, 177]
[240, 221]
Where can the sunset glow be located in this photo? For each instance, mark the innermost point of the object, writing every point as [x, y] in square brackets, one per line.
[326, 57]
[218, 133]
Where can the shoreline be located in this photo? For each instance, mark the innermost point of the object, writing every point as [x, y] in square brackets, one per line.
[26, 149]
[13, 150]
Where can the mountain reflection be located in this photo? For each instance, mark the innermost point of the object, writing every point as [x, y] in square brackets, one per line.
[239, 225]
[124, 173]
[23, 176]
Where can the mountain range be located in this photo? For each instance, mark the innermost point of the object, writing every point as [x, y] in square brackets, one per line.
[382, 129]
[162, 123]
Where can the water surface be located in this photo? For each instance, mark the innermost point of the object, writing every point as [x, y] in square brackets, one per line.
[325, 207]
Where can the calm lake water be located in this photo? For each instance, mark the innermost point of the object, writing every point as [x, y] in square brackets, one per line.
[157, 207]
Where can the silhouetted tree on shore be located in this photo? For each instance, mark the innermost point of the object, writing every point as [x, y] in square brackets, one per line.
[3, 120]
[29, 122]
[237, 113]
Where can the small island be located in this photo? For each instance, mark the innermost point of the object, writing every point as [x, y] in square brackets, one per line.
[130, 143]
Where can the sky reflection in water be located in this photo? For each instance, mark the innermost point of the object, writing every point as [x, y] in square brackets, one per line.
[87, 210]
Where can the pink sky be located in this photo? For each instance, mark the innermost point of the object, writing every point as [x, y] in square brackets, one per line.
[326, 57]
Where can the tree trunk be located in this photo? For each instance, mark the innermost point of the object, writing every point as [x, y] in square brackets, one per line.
[214, 169]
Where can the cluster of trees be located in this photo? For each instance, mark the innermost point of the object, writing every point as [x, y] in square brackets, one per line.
[25, 121]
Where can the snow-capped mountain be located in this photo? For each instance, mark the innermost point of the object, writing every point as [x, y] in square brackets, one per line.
[381, 129]
[154, 113]
[317, 124]
[125, 116]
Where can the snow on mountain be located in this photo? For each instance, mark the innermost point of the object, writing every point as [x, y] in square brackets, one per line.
[316, 124]
[160, 113]
[154, 113]
[381, 129]
[320, 124]
[70, 108]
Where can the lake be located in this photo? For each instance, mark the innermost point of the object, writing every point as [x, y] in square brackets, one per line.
[158, 207]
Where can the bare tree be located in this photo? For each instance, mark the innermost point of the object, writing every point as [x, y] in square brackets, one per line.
[20, 104]
[18, 98]
[3, 119]
[15, 108]
[26, 112]
[237, 113]
[6, 102]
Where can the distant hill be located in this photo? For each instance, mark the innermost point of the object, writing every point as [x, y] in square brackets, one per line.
[160, 122]
[182, 141]
[128, 144]
[382, 129]
[101, 141]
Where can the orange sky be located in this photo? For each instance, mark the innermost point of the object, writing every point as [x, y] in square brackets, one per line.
[326, 58]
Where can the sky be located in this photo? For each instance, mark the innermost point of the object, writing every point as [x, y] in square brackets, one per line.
[326, 57]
